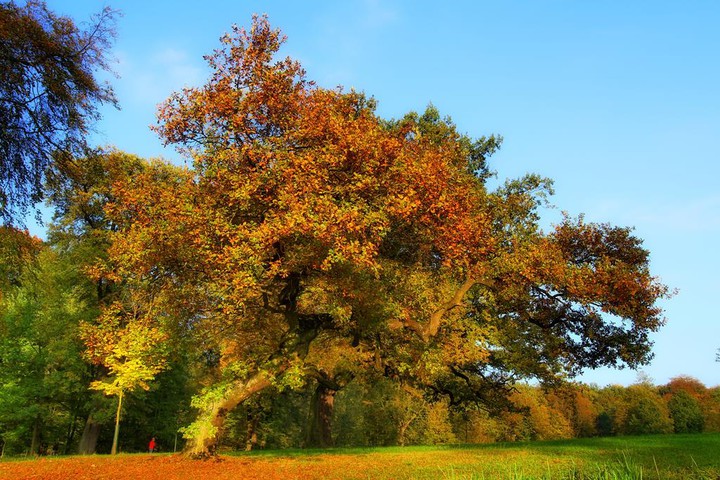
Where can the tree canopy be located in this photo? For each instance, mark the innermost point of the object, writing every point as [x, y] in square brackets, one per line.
[313, 236]
[49, 97]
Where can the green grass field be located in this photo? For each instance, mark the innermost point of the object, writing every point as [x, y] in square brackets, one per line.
[621, 458]
[648, 457]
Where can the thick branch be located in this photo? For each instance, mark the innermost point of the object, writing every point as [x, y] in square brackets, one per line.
[455, 302]
[430, 329]
[204, 443]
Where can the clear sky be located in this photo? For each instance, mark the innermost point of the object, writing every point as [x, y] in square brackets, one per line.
[617, 101]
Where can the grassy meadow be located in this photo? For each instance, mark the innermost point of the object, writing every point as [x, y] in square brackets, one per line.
[649, 457]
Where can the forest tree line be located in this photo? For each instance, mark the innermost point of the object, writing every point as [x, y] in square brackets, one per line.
[47, 407]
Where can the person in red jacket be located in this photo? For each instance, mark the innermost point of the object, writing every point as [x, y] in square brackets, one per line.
[151, 445]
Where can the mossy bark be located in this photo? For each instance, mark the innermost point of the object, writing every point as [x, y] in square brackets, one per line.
[88, 441]
[204, 442]
[321, 412]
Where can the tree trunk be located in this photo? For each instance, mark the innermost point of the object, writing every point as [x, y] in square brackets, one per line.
[113, 451]
[251, 434]
[203, 441]
[72, 430]
[208, 426]
[402, 429]
[321, 412]
[34, 442]
[89, 438]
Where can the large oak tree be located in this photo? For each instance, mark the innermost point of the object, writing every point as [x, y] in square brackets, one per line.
[311, 237]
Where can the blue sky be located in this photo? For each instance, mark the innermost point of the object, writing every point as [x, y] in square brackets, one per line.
[618, 102]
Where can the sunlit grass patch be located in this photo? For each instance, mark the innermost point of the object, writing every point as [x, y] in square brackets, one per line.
[665, 457]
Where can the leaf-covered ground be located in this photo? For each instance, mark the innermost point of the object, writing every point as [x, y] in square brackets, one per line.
[664, 456]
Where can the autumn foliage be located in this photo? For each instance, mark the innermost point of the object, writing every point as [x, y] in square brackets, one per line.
[312, 239]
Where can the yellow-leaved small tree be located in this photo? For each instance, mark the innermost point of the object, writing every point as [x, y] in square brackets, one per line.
[133, 352]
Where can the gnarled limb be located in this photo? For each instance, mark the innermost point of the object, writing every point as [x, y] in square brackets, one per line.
[456, 301]
[204, 432]
[206, 428]
[428, 330]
